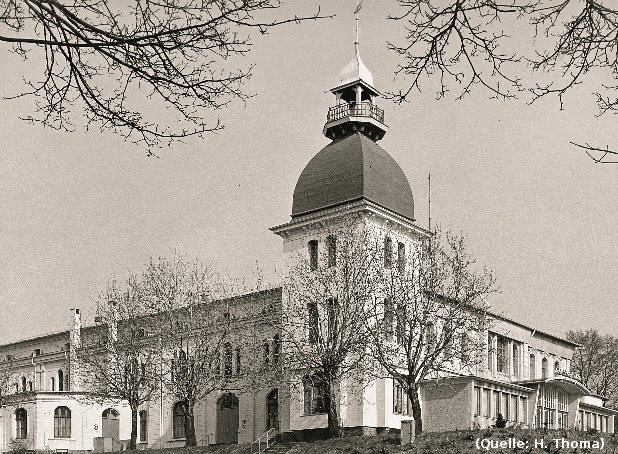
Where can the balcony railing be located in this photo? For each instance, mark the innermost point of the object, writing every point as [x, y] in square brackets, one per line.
[363, 109]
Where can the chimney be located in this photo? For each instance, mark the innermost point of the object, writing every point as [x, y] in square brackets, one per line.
[76, 332]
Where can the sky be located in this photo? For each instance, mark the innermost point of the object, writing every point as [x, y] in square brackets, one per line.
[80, 208]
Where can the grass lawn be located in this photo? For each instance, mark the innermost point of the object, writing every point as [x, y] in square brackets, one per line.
[496, 441]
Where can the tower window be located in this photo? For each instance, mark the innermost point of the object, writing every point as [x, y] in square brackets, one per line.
[388, 252]
[143, 426]
[401, 257]
[313, 254]
[312, 309]
[331, 243]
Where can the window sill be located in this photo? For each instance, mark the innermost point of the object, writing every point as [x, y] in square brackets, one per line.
[67, 439]
[179, 439]
[313, 414]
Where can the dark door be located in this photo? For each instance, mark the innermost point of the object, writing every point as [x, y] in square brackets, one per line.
[227, 419]
[110, 424]
[272, 407]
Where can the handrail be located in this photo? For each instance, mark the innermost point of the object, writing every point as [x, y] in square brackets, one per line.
[268, 434]
[362, 109]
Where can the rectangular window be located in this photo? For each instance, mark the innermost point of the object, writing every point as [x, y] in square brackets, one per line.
[477, 401]
[514, 408]
[496, 400]
[505, 406]
[487, 412]
[397, 400]
[401, 258]
[312, 309]
[523, 411]
[501, 358]
[331, 244]
[389, 316]
[388, 252]
[143, 425]
[314, 391]
[313, 254]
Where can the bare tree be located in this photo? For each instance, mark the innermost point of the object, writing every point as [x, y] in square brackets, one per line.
[7, 379]
[324, 315]
[595, 362]
[194, 328]
[463, 43]
[118, 60]
[116, 361]
[430, 319]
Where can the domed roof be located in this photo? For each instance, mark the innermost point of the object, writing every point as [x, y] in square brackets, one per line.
[351, 169]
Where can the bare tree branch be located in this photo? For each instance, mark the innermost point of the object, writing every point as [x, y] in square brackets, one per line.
[114, 60]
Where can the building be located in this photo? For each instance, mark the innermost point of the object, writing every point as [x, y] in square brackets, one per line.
[525, 375]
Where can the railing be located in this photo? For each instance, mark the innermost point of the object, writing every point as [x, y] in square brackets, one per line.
[363, 109]
[264, 441]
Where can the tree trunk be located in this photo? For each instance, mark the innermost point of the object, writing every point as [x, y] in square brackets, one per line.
[330, 402]
[190, 426]
[416, 409]
[133, 442]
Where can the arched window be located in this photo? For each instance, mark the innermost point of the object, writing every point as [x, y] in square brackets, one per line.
[388, 252]
[60, 380]
[532, 374]
[180, 415]
[556, 367]
[23, 384]
[266, 352]
[21, 423]
[544, 368]
[143, 426]
[331, 244]
[313, 254]
[62, 422]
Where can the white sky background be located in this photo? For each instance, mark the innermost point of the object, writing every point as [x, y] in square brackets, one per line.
[79, 208]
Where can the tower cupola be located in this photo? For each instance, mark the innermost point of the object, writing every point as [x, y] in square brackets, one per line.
[355, 109]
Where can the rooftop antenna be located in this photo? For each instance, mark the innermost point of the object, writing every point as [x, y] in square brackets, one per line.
[429, 202]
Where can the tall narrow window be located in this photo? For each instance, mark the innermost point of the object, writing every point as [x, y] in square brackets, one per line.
[143, 426]
[430, 337]
[516, 361]
[312, 309]
[532, 374]
[266, 351]
[62, 422]
[556, 367]
[544, 368]
[332, 306]
[53, 383]
[276, 349]
[388, 252]
[331, 243]
[178, 421]
[60, 380]
[477, 401]
[401, 257]
[313, 254]
[389, 315]
[238, 361]
[501, 358]
[23, 384]
[227, 358]
[21, 423]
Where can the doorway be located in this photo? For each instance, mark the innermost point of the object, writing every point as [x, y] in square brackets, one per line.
[110, 424]
[227, 419]
[272, 410]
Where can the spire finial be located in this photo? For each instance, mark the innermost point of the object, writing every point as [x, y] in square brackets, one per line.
[356, 11]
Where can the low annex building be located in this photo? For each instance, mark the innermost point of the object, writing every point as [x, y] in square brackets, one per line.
[525, 375]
